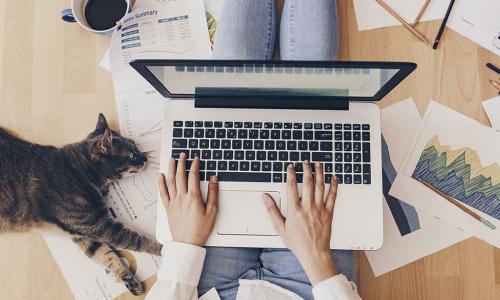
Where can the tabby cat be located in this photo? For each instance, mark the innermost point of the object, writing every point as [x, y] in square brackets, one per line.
[66, 187]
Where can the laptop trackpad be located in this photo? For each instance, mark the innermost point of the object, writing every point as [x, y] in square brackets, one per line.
[243, 212]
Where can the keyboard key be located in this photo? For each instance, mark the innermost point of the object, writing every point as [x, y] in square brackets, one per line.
[277, 166]
[247, 145]
[323, 135]
[328, 178]
[211, 165]
[326, 146]
[286, 134]
[318, 126]
[294, 156]
[269, 145]
[272, 155]
[347, 168]
[258, 144]
[179, 143]
[347, 126]
[308, 126]
[347, 157]
[348, 179]
[218, 124]
[297, 135]
[244, 165]
[313, 145]
[291, 145]
[266, 166]
[253, 134]
[278, 125]
[176, 153]
[195, 153]
[244, 177]
[210, 133]
[366, 152]
[275, 134]
[261, 155]
[228, 124]
[247, 124]
[302, 145]
[250, 155]
[322, 156]
[177, 132]
[236, 144]
[356, 157]
[220, 133]
[356, 136]
[206, 154]
[268, 125]
[283, 156]
[209, 124]
[297, 125]
[340, 178]
[255, 166]
[242, 133]
[193, 143]
[222, 165]
[226, 144]
[328, 167]
[347, 135]
[338, 157]
[356, 146]
[366, 126]
[209, 175]
[217, 154]
[188, 132]
[178, 123]
[366, 136]
[356, 127]
[338, 146]
[338, 168]
[357, 179]
[367, 179]
[356, 168]
[287, 125]
[305, 156]
[347, 146]
[228, 154]
[238, 124]
[277, 177]
[280, 145]
[233, 166]
[338, 126]
[264, 134]
[338, 135]
[239, 155]
[328, 126]
[214, 144]
[299, 167]
[308, 135]
[257, 125]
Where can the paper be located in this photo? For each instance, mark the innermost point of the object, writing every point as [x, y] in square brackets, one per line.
[458, 156]
[478, 21]
[370, 15]
[409, 234]
[492, 109]
[105, 61]
[164, 27]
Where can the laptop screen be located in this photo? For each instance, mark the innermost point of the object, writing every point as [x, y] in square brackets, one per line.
[272, 79]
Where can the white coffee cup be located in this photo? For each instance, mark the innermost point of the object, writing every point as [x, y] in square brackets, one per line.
[77, 14]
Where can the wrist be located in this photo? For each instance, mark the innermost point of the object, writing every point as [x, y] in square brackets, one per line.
[318, 266]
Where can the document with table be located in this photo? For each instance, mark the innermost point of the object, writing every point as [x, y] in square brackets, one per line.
[154, 29]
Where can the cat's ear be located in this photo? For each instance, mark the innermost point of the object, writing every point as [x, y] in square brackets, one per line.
[105, 142]
[102, 124]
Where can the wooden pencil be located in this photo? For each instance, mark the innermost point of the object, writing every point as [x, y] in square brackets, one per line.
[403, 22]
[459, 205]
[421, 13]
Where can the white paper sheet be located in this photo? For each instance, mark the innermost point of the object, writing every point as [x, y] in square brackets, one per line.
[461, 143]
[133, 200]
[409, 234]
[492, 109]
[370, 15]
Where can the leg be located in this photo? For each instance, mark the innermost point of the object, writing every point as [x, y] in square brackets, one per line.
[246, 30]
[107, 257]
[309, 30]
[282, 268]
[224, 267]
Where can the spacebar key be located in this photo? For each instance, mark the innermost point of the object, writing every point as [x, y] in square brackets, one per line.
[245, 177]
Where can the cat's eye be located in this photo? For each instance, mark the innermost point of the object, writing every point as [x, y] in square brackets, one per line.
[131, 155]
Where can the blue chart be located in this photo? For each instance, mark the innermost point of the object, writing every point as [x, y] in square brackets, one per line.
[459, 174]
[405, 215]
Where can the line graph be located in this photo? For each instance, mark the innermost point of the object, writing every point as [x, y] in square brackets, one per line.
[459, 174]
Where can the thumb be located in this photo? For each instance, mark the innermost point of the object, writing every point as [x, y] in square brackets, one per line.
[213, 196]
[274, 213]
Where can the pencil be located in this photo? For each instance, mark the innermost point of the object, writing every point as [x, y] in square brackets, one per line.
[403, 22]
[495, 84]
[493, 67]
[420, 13]
[459, 205]
[443, 25]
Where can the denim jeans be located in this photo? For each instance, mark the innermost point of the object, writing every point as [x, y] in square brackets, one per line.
[247, 30]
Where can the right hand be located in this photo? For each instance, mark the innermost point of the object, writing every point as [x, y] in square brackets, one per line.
[307, 229]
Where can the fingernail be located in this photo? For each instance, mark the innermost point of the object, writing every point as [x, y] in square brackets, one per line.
[291, 166]
[214, 179]
[183, 154]
[317, 164]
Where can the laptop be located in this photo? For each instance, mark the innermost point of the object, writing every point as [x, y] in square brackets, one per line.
[247, 120]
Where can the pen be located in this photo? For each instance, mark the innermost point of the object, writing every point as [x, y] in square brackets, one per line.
[443, 25]
[493, 67]
[459, 205]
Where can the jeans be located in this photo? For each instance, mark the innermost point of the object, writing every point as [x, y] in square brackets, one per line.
[247, 30]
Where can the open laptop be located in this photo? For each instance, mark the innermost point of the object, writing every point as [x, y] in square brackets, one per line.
[247, 120]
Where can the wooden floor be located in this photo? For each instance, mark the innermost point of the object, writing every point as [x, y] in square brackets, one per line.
[51, 91]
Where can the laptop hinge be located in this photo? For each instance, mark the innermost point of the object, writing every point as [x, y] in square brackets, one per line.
[239, 102]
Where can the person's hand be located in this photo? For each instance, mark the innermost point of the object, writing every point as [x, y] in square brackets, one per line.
[307, 229]
[190, 220]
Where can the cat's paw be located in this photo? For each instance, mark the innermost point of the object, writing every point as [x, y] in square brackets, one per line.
[133, 285]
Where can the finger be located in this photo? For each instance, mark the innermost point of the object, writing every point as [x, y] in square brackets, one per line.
[164, 191]
[319, 188]
[213, 196]
[180, 176]
[275, 214]
[194, 177]
[172, 189]
[291, 185]
[332, 194]
[307, 184]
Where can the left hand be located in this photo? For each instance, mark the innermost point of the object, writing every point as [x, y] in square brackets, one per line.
[190, 220]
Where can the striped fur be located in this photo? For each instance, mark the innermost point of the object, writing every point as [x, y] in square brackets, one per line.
[66, 186]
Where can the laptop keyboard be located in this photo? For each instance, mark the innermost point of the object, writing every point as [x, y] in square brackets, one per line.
[261, 151]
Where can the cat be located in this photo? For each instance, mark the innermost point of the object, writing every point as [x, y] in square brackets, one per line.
[66, 187]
